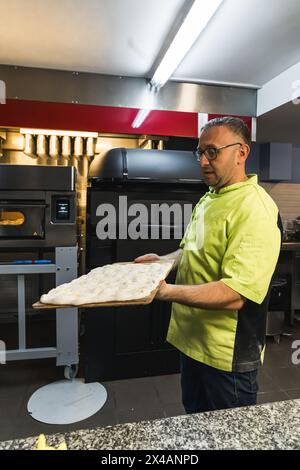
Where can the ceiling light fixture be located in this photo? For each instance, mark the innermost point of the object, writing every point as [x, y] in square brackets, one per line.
[194, 23]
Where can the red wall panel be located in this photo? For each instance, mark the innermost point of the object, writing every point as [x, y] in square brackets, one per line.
[67, 116]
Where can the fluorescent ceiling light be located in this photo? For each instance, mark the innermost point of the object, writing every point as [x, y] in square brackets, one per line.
[140, 117]
[53, 132]
[194, 23]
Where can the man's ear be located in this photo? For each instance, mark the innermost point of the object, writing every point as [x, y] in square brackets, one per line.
[244, 153]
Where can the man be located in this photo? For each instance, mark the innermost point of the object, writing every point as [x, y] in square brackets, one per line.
[220, 298]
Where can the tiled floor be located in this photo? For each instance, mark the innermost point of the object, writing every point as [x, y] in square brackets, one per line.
[134, 399]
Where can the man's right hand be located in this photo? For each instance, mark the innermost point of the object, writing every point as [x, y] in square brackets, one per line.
[147, 258]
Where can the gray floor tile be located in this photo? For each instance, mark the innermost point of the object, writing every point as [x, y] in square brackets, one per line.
[293, 394]
[265, 381]
[11, 391]
[270, 397]
[13, 382]
[286, 378]
[168, 388]
[140, 413]
[174, 409]
[279, 358]
[110, 402]
[7, 430]
[10, 408]
[134, 393]
[104, 417]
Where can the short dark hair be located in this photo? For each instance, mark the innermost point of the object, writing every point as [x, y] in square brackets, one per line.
[236, 125]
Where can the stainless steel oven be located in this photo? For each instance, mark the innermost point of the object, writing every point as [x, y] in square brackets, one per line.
[37, 206]
[22, 219]
[38, 250]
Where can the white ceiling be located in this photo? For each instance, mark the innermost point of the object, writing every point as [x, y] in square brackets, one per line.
[248, 41]
[115, 37]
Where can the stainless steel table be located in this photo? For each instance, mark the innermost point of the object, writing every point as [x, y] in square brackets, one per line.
[66, 350]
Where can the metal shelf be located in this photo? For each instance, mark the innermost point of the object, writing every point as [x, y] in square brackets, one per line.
[65, 270]
[27, 268]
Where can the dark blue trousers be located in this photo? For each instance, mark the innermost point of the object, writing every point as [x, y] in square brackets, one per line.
[205, 388]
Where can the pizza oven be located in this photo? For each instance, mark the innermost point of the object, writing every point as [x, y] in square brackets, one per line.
[130, 341]
[37, 207]
[38, 250]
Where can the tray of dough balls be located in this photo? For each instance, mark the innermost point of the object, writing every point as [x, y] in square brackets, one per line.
[111, 285]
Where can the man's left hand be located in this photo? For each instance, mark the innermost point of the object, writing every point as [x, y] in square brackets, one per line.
[163, 291]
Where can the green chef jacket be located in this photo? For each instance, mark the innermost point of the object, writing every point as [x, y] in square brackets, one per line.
[233, 236]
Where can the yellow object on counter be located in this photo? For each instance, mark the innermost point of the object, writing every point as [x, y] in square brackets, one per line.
[42, 445]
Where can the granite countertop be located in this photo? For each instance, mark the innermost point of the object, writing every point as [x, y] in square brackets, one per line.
[268, 426]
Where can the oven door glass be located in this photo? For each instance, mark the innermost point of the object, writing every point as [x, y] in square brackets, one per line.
[22, 219]
[11, 217]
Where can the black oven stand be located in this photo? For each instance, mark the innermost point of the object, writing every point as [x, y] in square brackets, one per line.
[66, 351]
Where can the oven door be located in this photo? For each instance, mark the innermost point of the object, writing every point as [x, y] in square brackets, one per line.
[22, 219]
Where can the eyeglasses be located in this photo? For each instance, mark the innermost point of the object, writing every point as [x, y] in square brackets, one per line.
[211, 153]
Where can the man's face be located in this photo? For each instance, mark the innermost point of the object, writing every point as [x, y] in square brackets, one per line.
[221, 171]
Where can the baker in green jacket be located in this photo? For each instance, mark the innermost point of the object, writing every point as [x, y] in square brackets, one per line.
[225, 265]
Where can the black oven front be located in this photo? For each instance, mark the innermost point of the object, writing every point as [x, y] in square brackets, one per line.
[37, 219]
[22, 219]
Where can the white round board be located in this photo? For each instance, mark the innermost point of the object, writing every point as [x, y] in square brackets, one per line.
[66, 401]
